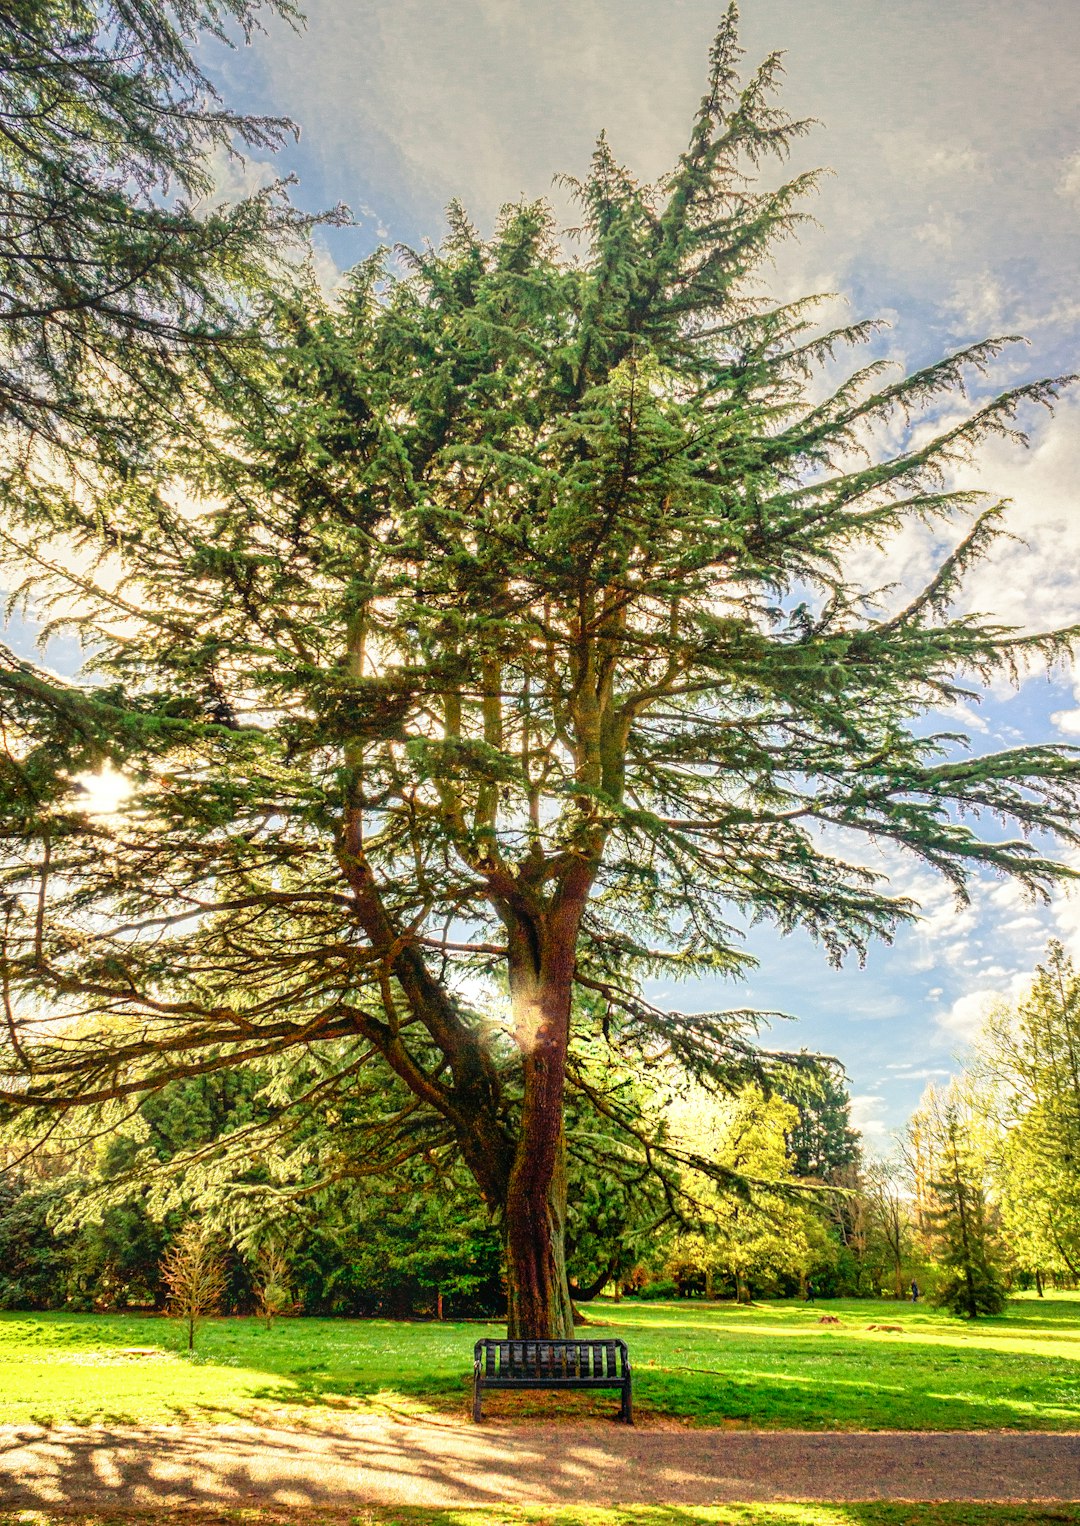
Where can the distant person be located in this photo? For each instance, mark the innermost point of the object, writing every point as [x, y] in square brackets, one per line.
[810, 1294]
[914, 1291]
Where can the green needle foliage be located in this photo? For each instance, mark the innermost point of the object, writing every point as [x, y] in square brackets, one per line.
[116, 271]
[961, 1219]
[503, 638]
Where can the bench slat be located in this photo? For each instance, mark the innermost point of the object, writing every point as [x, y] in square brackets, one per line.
[552, 1364]
[552, 1383]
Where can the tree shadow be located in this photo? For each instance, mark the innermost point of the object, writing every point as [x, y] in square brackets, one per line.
[1037, 1314]
[822, 1378]
[113, 1470]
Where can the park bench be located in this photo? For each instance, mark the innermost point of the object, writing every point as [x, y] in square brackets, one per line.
[552, 1364]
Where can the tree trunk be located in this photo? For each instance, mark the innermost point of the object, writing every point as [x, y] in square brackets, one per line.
[538, 1293]
[1038, 1282]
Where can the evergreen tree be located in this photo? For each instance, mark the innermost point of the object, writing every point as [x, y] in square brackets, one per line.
[504, 641]
[825, 1148]
[972, 1284]
[959, 1221]
[33, 1257]
[822, 1142]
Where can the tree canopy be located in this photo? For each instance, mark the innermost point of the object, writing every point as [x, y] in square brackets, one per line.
[494, 648]
[1026, 1080]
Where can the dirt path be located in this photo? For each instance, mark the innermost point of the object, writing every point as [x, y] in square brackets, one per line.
[350, 1461]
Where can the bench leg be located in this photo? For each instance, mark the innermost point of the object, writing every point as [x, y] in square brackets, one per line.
[477, 1400]
[627, 1405]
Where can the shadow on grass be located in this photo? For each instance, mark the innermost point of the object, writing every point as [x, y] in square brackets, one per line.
[694, 1364]
[1061, 1316]
[738, 1398]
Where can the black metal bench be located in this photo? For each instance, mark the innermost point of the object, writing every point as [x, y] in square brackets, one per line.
[552, 1364]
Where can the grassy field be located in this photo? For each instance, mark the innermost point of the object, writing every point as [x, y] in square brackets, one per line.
[708, 1364]
[643, 1515]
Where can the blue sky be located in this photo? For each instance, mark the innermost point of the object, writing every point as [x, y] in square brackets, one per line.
[954, 212]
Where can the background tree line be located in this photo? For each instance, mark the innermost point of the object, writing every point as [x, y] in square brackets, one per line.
[94, 1230]
[993, 1160]
[980, 1196]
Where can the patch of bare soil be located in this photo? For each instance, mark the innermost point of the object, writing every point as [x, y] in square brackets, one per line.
[349, 1461]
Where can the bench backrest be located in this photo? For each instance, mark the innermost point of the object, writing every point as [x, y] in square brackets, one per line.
[552, 1359]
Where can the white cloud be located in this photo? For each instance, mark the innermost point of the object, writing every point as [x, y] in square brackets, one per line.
[968, 1013]
[967, 716]
[976, 301]
[1021, 925]
[237, 176]
[964, 1019]
[1067, 721]
[1033, 582]
[942, 171]
[866, 1110]
[1069, 183]
[327, 271]
[1067, 910]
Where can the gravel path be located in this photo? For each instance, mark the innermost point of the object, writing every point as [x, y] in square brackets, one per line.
[382, 1461]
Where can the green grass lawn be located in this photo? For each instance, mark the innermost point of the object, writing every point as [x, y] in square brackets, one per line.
[708, 1364]
[640, 1515]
